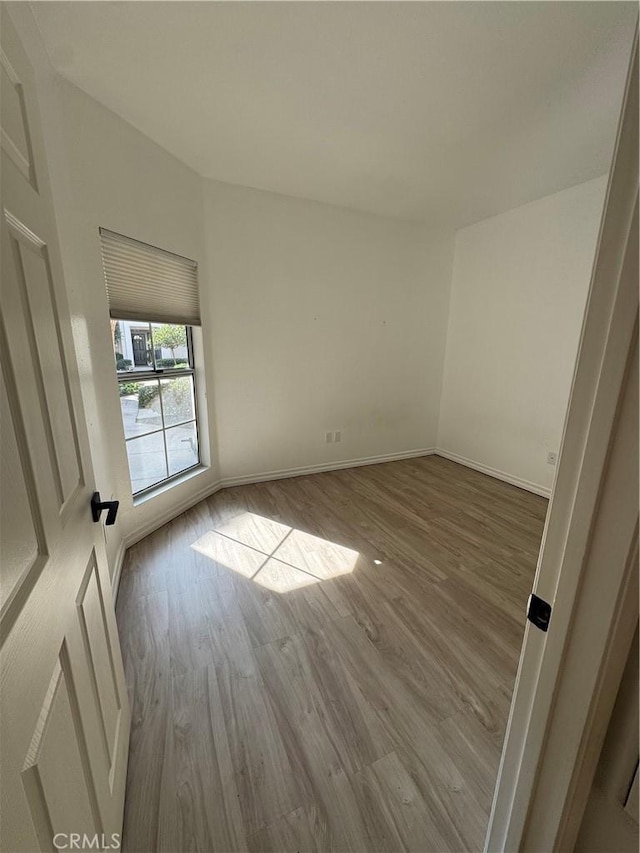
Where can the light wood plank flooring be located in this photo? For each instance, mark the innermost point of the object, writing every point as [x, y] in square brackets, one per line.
[326, 662]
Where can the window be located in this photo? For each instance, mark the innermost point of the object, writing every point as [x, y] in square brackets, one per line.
[154, 363]
[153, 303]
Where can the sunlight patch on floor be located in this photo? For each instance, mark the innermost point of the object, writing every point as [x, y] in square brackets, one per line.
[275, 556]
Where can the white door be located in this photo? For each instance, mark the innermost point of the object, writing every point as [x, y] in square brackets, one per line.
[568, 677]
[64, 709]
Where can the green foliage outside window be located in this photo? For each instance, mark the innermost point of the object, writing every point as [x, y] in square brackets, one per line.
[129, 388]
[147, 394]
[170, 337]
[176, 397]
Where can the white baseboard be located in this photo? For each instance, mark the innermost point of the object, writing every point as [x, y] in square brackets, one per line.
[212, 488]
[324, 466]
[117, 569]
[171, 513]
[537, 489]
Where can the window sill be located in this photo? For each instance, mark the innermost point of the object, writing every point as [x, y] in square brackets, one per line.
[161, 488]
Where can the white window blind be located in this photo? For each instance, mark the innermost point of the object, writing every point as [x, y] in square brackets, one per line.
[150, 284]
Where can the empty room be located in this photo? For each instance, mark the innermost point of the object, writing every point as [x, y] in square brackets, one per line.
[319, 458]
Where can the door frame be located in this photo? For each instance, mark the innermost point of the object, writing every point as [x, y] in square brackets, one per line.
[549, 738]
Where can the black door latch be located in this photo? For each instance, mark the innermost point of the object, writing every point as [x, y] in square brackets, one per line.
[97, 506]
[538, 612]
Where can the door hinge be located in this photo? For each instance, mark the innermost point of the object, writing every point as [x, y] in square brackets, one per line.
[538, 611]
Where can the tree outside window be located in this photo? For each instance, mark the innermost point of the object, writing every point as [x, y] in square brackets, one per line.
[170, 337]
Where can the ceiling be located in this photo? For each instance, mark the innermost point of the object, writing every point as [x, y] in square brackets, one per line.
[443, 112]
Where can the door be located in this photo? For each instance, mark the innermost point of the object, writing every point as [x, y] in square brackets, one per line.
[140, 349]
[568, 677]
[65, 715]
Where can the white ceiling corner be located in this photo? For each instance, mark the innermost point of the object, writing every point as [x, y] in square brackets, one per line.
[443, 112]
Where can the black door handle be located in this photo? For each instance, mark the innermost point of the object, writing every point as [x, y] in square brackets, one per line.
[97, 506]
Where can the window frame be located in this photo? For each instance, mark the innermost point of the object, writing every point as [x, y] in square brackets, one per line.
[155, 373]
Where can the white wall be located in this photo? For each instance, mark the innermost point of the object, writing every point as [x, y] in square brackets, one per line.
[104, 172]
[121, 180]
[314, 318]
[323, 319]
[520, 282]
[317, 318]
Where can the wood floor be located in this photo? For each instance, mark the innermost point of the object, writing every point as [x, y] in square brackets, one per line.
[326, 662]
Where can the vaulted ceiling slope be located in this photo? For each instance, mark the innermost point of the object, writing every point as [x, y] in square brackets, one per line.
[443, 112]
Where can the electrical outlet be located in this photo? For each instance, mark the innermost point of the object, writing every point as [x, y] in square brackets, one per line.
[337, 436]
[552, 457]
[328, 437]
